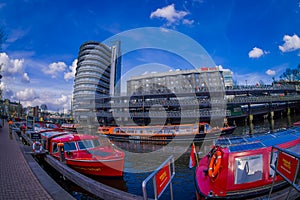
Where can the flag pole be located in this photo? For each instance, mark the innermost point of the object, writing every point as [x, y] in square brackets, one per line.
[196, 154]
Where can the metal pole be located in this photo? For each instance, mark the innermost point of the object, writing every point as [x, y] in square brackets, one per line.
[275, 172]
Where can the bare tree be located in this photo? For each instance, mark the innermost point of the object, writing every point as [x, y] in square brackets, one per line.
[291, 75]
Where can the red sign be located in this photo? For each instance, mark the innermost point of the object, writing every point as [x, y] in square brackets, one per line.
[287, 165]
[162, 177]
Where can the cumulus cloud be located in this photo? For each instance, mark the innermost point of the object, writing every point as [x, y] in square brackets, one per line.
[71, 73]
[291, 43]
[27, 94]
[270, 72]
[25, 78]
[62, 100]
[256, 53]
[54, 69]
[170, 14]
[11, 66]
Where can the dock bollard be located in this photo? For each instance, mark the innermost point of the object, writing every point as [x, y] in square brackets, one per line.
[61, 152]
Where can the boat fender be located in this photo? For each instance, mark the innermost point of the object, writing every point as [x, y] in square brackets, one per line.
[37, 147]
[215, 164]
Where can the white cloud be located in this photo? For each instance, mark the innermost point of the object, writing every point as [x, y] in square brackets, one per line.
[72, 68]
[55, 68]
[270, 72]
[26, 95]
[169, 13]
[291, 43]
[62, 100]
[16, 34]
[188, 22]
[2, 86]
[25, 78]
[11, 66]
[256, 53]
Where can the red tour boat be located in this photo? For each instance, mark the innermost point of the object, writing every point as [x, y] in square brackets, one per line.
[87, 154]
[239, 167]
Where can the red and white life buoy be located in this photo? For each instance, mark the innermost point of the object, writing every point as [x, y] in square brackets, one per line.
[215, 164]
[37, 147]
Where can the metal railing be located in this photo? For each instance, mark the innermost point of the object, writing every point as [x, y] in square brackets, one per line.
[161, 178]
[286, 164]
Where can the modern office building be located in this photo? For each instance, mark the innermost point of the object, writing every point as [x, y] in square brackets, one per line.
[97, 76]
[180, 81]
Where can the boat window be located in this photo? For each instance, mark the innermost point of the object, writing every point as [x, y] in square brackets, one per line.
[139, 130]
[157, 130]
[119, 130]
[54, 147]
[148, 130]
[70, 146]
[195, 128]
[87, 144]
[181, 130]
[248, 169]
[130, 130]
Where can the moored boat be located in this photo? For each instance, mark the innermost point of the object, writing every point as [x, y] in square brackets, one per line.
[87, 154]
[239, 167]
[296, 123]
[167, 133]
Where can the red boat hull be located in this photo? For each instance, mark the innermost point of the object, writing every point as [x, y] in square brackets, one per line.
[296, 123]
[110, 168]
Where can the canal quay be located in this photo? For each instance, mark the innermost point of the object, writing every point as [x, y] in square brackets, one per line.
[22, 179]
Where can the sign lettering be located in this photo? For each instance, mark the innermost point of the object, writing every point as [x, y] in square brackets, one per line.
[163, 177]
[287, 165]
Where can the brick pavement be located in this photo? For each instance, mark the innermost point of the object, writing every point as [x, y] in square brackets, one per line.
[17, 181]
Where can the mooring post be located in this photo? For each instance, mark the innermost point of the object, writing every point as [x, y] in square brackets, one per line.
[251, 125]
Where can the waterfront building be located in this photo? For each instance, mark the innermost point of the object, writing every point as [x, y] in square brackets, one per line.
[180, 81]
[97, 76]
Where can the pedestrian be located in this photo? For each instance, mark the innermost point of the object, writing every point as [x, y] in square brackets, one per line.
[10, 123]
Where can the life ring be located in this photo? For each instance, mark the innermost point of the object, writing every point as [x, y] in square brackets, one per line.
[215, 164]
[37, 147]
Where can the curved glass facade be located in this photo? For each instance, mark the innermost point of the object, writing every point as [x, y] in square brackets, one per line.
[96, 72]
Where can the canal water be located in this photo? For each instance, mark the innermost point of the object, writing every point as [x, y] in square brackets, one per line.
[183, 182]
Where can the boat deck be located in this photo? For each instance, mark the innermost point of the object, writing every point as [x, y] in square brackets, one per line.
[260, 140]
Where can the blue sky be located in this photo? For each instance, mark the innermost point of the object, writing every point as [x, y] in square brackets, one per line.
[257, 40]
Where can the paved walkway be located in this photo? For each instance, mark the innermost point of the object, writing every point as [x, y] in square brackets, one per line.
[17, 181]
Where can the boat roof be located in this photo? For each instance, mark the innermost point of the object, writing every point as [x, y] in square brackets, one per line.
[51, 133]
[73, 137]
[259, 140]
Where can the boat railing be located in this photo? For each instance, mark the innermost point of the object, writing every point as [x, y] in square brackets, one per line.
[285, 163]
[153, 130]
[161, 178]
